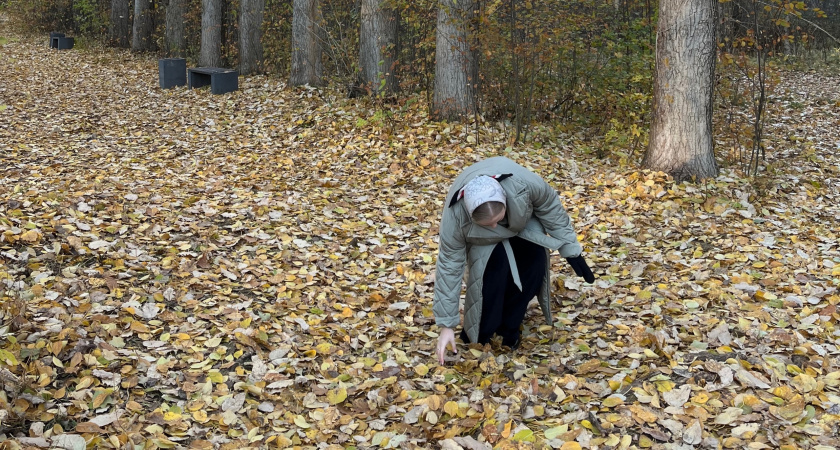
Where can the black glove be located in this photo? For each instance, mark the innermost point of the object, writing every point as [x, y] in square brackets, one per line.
[581, 268]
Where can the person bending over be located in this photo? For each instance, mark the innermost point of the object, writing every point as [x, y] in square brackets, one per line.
[499, 222]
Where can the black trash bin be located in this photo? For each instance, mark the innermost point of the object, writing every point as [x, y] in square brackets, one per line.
[53, 41]
[172, 72]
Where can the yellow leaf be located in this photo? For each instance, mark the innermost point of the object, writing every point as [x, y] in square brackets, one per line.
[323, 348]
[764, 295]
[30, 236]
[506, 431]
[701, 397]
[451, 408]
[215, 376]
[170, 416]
[612, 401]
[336, 396]
[791, 411]
[301, 422]
[195, 406]
[200, 416]
[421, 370]
[525, 435]
[164, 443]
[570, 446]
[643, 413]
[100, 396]
[832, 379]
[664, 385]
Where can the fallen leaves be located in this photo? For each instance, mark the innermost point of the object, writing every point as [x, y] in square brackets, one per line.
[255, 270]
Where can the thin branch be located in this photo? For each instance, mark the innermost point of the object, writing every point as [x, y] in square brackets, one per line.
[808, 22]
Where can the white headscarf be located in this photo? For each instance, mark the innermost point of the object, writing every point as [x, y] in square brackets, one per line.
[483, 189]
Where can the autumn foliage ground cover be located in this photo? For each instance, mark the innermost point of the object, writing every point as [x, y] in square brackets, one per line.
[254, 270]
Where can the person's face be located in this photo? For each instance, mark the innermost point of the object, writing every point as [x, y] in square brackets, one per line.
[494, 220]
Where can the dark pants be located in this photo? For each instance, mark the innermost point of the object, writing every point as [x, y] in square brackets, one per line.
[504, 305]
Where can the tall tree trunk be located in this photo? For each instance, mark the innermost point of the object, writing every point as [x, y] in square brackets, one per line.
[681, 133]
[307, 64]
[120, 30]
[176, 43]
[141, 39]
[250, 32]
[378, 46]
[210, 54]
[455, 68]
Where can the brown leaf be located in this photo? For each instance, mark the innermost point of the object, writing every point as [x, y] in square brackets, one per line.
[88, 427]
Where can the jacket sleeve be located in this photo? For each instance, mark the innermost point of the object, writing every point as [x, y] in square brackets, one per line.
[550, 212]
[449, 272]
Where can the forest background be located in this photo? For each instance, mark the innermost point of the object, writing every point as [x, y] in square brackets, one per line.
[584, 65]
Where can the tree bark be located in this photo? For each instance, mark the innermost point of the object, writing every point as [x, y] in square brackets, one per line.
[681, 141]
[455, 68]
[307, 64]
[378, 46]
[210, 54]
[141, 39]
[250, 33]
[120, 30]
[176, 43]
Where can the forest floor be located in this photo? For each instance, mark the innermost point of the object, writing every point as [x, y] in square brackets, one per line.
[254, 270]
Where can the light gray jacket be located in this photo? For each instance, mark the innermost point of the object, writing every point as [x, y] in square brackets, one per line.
[534, 213]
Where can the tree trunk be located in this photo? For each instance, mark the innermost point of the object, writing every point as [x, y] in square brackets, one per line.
[681, 141]
[141, 39]
[455, 68]
[176, 43]
[378, 46]
[250, 32]
[210, 54]
[120, 29]
[307, 64]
